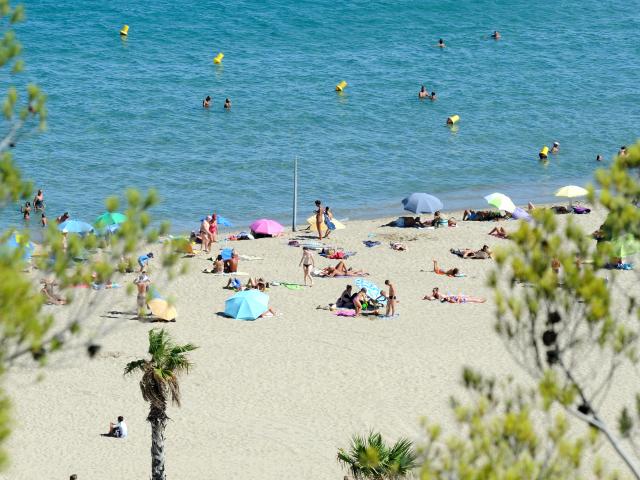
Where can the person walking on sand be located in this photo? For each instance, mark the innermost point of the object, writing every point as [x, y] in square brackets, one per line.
[391, 299]
[328, 221]
[319, 218]
[307, 263]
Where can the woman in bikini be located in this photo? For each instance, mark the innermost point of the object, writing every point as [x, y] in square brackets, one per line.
[341, 270]
[307, 263]
[499, 232]
[436, 295]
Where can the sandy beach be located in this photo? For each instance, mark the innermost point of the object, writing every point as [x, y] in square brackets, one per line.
[272, 398]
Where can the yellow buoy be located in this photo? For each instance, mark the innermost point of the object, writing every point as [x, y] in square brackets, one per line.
[453, 119]
[125, 31]
[341, 86]
[218, 58]
[544, 153]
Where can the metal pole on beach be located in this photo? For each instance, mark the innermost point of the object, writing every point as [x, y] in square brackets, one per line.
[295, 194]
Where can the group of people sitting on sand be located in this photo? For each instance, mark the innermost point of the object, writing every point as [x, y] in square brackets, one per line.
[252, 284]
[229, 265]
[414, 222]
[360, 301]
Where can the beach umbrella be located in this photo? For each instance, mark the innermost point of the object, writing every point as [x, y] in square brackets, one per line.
[312, 222]
[265, 226]
[224, 221]
[246, 305]
[16, 241]
[75, 226]
[162, 309]
[625, 246]
[520, 214]
[571, 191]
[501, 202]
[110, 218]
[422, 203]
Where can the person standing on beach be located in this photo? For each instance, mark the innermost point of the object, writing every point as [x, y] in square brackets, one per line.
[328, 221]
[143, 260]
[307, 263]
[142, 282]
[391, 299]
[319, 218]
[213, 228]
[205, 236]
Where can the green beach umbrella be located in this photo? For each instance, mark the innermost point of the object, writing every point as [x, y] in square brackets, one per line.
[501, 202]
[110, 218]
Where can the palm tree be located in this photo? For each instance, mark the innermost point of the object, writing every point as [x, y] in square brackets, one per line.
[371, 458]
[159, 383]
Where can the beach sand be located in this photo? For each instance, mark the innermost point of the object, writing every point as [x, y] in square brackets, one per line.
[272, 398]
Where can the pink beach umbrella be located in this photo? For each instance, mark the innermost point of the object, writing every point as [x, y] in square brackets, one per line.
[265, 226]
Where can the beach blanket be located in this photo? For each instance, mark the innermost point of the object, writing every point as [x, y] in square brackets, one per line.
[371, 243]
[372, 289]
[581, 210]
[619, 266]
[345, 313]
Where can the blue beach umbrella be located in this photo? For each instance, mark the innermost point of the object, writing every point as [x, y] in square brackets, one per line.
[75, 226]
[15, 241]
[246, 305]
[224, 221]
[422, 203]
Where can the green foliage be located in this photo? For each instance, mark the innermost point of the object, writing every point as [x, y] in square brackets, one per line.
[160, 373]
[370, 457]
[558, 312]
[503, 432]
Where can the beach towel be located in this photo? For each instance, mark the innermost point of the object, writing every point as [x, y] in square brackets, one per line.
[581, 210]
[292, 286]
[234, 274]
[345, 313]
[371, 243]
[619, 266]
[372, 290]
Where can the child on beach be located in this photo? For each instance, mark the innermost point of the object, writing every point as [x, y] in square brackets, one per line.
[307, 263]
[143, 260]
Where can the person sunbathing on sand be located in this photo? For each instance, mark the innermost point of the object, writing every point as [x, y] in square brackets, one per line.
[341, 270]
[482, 254]
[436, 295]
[481, 215]
[48, 291]
[499, 232]
[452, 272]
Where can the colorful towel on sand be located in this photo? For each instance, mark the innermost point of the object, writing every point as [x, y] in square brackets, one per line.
[371, 243]
[345, 313]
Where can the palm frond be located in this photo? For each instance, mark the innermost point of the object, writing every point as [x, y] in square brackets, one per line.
[135, 365]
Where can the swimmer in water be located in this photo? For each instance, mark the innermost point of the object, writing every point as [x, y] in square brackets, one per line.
[599, 158]
[432, 96]
[423, 93]
[555, 148]
[623, 151]
[206, 102]
[227, 104]
[441, 44]
[496, 35]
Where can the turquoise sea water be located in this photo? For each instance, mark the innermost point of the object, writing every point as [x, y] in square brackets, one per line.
[127, 113]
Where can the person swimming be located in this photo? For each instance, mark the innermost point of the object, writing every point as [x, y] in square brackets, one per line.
[623, 151]
[441, 43]
[423, 93]
[555, 148]
[599, 158]
[432, 96]
[496, 35]
[206, 103]
[227, 104]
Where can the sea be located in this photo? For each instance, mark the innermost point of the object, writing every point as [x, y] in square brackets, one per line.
[126, 112]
